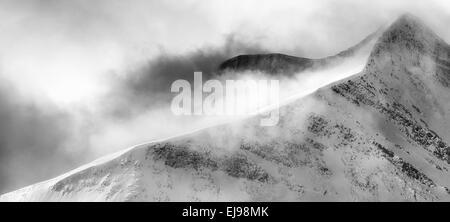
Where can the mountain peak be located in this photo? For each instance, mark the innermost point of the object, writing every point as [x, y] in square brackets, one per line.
[270, 63]
[408, 19]
[410, 33]
[406, 43]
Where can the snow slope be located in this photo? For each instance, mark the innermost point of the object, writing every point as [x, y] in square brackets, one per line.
[286, 65]
[379, 135]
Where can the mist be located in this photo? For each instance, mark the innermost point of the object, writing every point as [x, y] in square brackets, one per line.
[81, 79]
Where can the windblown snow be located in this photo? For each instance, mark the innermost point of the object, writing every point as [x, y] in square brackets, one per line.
[378, 135]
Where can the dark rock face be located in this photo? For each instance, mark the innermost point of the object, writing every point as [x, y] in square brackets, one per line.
[181, 157]
[358, 93]
[405, 167]
[239, 166]
[235, 165]
[268, 63]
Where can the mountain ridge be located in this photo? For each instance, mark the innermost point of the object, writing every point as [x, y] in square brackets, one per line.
[378, 135]
[282, 64]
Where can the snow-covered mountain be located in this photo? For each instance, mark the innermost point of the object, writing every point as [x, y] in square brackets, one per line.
[287, 65]
[379, 135]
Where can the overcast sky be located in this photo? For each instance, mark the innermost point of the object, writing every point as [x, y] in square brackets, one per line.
[60, 59]
[71, 44]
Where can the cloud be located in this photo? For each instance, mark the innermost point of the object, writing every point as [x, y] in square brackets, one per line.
[84, 78]
[33, 139]
[149, 85]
